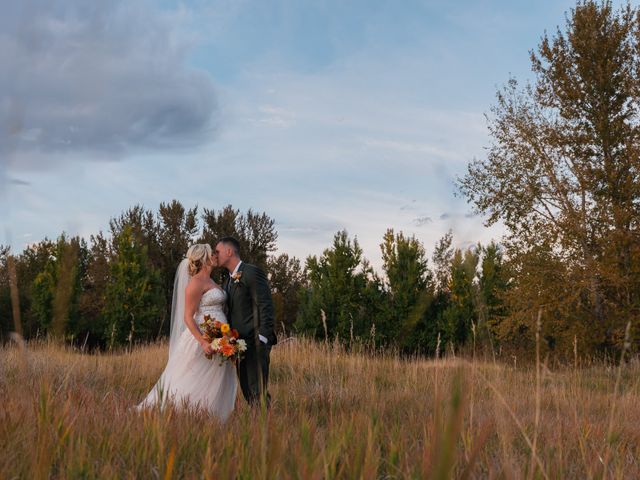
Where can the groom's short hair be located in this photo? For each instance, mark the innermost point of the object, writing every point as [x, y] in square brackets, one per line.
[233, 243]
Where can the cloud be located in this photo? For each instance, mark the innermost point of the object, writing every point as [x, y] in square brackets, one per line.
[407, 207]
[102, 78]
[368, 138]
[17, 181]
[275, 116]
[411, 148]
[422, 221]
[458, 215]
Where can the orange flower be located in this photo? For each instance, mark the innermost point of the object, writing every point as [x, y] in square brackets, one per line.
[225, 328]
[228, 350]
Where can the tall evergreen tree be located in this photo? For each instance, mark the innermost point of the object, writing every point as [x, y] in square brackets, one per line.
[30, 263]
[56, 289]
[340, 283]
[409, 286]
[460, 315]
[493, 286]
[134, 298]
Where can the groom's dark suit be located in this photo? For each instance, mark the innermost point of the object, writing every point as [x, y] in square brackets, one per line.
[251, 313]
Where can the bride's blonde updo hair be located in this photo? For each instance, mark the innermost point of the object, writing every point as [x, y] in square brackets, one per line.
[198, 255]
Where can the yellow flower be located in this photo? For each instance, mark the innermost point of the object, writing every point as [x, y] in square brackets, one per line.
[225, 328]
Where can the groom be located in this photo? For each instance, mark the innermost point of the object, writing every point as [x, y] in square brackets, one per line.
[251, 314]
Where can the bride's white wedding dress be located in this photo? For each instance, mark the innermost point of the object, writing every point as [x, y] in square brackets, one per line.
[190, 379]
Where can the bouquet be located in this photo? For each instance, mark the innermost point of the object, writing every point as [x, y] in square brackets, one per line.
[224, 340]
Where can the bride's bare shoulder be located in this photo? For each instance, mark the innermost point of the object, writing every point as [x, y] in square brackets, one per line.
[195, 286]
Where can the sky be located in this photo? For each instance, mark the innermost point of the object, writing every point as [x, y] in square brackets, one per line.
[325, 114]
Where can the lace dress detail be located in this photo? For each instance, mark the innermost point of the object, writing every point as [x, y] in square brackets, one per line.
[190, 379]
[212, 303]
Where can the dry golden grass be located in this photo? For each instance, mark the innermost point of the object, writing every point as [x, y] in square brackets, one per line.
[64, 414]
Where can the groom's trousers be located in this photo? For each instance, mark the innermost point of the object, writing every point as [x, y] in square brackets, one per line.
[253, 372]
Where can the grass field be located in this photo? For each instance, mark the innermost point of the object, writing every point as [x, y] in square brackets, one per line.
[335, 414]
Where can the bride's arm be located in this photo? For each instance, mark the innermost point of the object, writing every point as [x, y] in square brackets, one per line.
[192, 300]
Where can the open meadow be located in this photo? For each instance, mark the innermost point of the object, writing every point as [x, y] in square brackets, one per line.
[335, 414]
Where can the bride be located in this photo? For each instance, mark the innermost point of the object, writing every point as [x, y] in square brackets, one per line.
[189, 379]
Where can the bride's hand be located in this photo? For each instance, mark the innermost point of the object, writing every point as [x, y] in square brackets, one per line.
[206, 346]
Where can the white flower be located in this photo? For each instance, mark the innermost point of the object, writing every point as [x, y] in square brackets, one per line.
[242, 345]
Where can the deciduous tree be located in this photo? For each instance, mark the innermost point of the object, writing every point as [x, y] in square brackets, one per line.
[562, 174]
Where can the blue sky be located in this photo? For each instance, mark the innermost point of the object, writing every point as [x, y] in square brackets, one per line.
[326, 115]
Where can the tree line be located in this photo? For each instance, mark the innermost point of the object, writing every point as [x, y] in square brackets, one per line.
[415, 305]
[562, 174]
[115, 289]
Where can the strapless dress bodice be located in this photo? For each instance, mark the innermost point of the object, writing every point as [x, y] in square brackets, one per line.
[212, 302]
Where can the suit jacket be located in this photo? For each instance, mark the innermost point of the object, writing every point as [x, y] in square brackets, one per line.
[252, 287]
